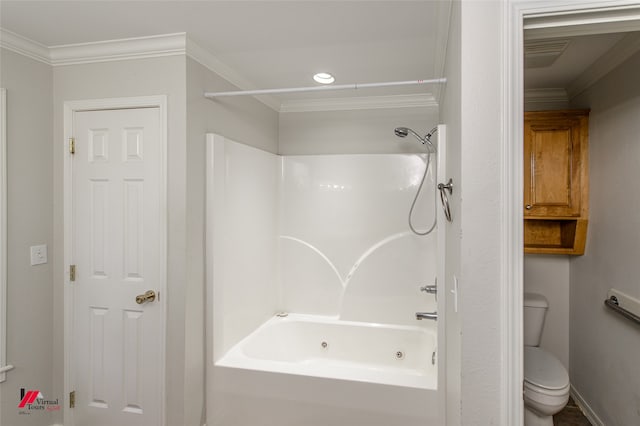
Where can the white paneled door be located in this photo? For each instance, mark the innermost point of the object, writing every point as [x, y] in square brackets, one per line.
[118, 344]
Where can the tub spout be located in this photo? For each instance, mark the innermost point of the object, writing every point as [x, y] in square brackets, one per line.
[427, 315]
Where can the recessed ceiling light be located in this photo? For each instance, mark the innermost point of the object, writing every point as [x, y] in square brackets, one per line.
[324, 78]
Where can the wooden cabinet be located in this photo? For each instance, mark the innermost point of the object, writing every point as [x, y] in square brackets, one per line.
[556, 181]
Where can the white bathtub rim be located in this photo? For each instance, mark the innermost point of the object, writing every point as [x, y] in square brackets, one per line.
[335, 319]
[334, 369]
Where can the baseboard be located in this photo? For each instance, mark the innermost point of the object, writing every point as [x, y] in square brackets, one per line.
[586, 409]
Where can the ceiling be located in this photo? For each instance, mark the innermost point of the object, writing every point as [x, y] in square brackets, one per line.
[561, 63]
[570, 52]
[278, 44]
[567, 65]
[271, 44]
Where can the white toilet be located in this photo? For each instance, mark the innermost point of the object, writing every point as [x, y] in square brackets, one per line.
[546, 382]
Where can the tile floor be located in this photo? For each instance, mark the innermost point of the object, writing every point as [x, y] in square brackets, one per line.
[570, 416]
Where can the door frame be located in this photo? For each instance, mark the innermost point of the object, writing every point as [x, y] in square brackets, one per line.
[70, 109]
[579, 15]
[3, 234]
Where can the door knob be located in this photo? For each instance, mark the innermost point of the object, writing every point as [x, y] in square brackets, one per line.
[528, 207]
[148, 296]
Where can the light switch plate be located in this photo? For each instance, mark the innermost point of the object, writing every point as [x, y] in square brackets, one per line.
[38, 254]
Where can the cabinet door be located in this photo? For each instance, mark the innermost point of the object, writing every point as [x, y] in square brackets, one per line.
[552, 155]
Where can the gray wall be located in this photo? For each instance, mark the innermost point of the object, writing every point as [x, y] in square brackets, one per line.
[353, 132]
[36, 94]
[549, 275]
[243, 119]
[155, 76]
[604, 346]
[30, 331]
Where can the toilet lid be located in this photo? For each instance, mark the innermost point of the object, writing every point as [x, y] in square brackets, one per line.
[544, 370]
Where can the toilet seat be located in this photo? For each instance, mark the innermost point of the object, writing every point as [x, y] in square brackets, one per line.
[544, 371]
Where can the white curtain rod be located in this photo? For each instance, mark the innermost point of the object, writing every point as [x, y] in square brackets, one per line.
[212, 95]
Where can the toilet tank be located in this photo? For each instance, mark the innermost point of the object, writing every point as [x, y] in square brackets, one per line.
[535, 309]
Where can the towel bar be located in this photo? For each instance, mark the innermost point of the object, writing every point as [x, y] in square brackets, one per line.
[3, 370]
[612, 302]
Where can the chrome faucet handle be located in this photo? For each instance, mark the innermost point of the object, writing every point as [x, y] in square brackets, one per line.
[431, 289]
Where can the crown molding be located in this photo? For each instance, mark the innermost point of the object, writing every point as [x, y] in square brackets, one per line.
[180, 44]
[623, 50]
[119, 50]
[572, 23]
[24, 46]
[354, 103]
[100, 51]
[126, 49]
[209, 61]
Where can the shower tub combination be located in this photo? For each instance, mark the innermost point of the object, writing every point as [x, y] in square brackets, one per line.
[340, 368]
[309, 369]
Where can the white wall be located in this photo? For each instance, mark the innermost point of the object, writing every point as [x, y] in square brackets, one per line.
[353, 132]
[604, 346]
[549, 275]
[450, 114]
[481, 208]
[30, 331]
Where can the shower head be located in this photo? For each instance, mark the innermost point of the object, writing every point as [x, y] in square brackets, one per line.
[402, 132]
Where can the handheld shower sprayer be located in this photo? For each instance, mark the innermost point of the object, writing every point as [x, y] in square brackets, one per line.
[403, 132]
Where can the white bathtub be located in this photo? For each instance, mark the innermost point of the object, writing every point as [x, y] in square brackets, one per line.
[320, 346]
[306, 370]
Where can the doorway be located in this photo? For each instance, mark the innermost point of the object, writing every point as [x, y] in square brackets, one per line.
[562, 19]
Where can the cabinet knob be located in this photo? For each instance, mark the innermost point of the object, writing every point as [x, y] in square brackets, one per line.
[528, 207]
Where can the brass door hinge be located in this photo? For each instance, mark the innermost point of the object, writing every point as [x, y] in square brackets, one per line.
[72, 145]
[72, 399]
[72, 272]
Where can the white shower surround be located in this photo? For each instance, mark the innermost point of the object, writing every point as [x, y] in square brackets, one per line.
[324, 237]
[345, 248]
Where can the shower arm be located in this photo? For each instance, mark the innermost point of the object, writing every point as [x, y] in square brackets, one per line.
[428, 142]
